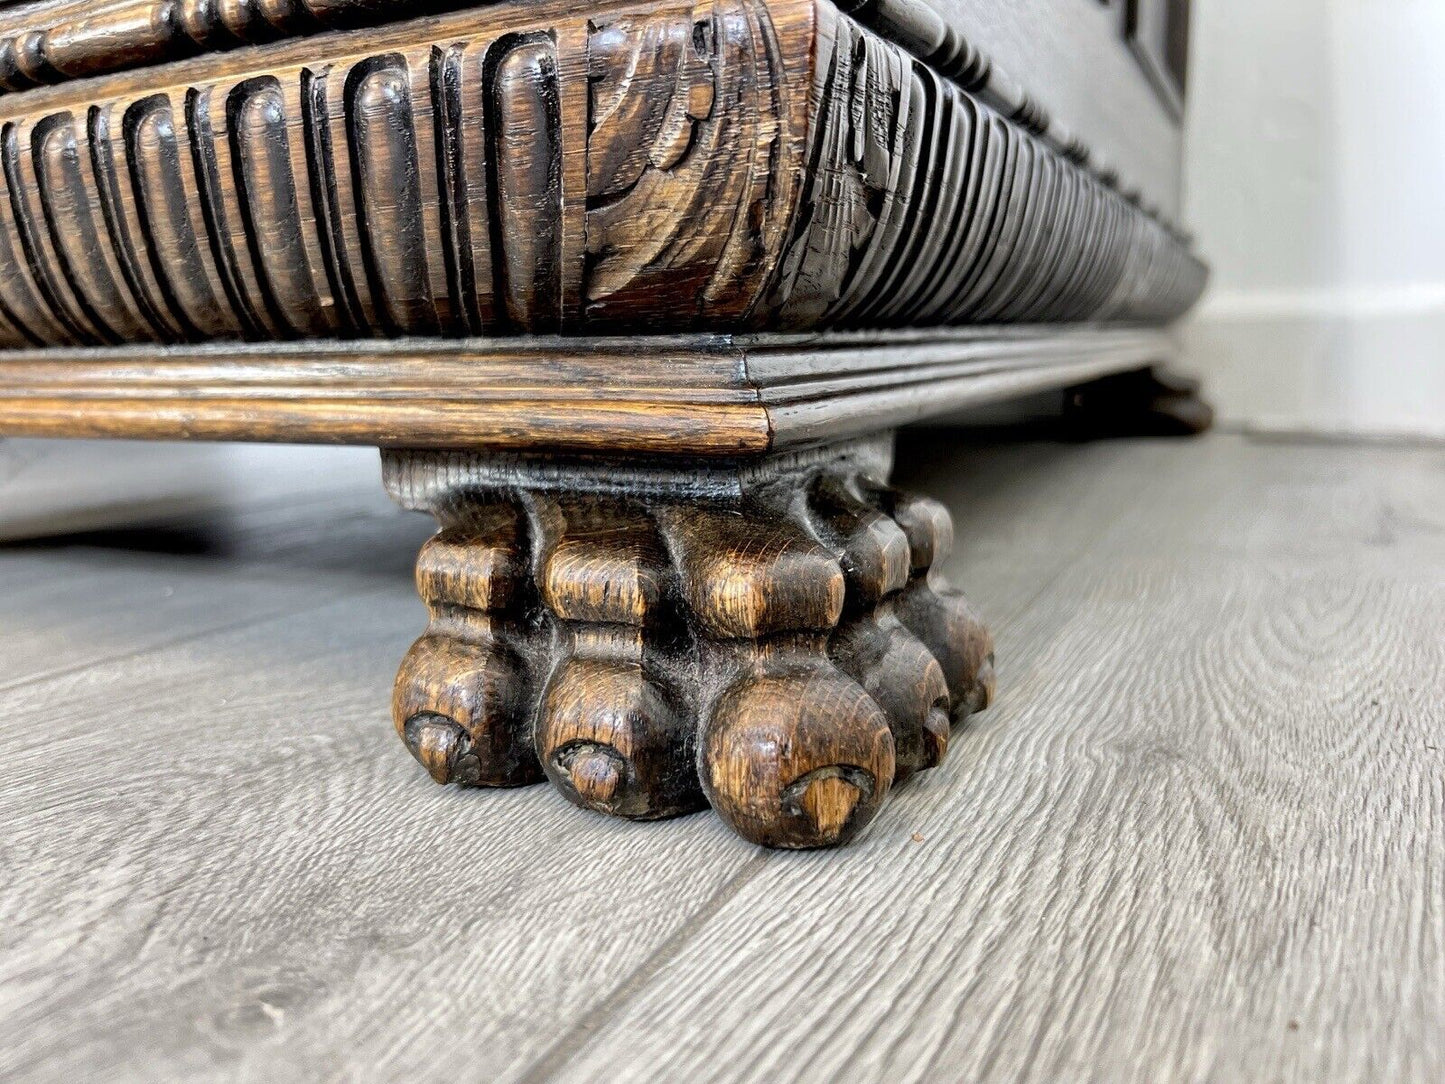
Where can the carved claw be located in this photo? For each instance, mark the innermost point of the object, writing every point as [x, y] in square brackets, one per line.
[825, 798]
[442, 747]
[937, 730]
[462, 710]
[596, 772]
[610, 741]
[801, 758]
[787, 660]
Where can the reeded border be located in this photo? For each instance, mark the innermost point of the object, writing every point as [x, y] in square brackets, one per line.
[534, 168]
[681, 396]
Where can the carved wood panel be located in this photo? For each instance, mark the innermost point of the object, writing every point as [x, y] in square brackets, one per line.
[536, 168]
[934, 208]
[498, 172]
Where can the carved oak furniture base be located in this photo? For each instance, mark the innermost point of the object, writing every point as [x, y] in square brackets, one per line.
[661, 270]
[769, 639]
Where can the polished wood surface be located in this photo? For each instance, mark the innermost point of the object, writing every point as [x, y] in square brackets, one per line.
[53, 41]
[676, 396]
[769, 641]
[532, 168]
[1057, 48]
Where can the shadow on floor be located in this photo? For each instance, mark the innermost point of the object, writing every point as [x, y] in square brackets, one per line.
[363, 539]
[178, 539]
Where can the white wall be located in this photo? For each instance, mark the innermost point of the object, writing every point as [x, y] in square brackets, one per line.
[1315, 181]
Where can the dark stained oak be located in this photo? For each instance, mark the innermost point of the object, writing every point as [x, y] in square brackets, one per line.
[533, 168]
[634, 294]
[770, 641]
[674, 396]
[53, 41]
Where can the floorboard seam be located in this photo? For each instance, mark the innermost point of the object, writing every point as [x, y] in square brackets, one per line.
[176, 641]
[616, 999]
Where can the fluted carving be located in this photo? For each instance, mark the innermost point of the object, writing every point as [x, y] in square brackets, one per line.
[934, 209]
[534, 168]
[430, 190]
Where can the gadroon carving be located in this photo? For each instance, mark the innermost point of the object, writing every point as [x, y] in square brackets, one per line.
[532, 168]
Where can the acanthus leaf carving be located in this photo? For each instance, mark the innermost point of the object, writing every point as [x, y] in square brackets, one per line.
[684, 173]
[736, 164]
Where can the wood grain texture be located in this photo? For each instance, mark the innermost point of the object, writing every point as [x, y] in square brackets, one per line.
[771, 641]
[704, 396]
[520, 168]
[532, 168]
[52, 41]
[924, 206]
[1183, 829]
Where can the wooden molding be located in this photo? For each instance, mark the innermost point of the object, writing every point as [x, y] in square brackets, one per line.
[53, 41]
[748, 164]
[678, 395]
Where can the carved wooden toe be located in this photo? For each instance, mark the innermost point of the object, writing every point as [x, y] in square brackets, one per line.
[797, 756]
[462, 702]
[610, 733]
[772, 641]
[461, 710]
[906, 681]
[611, 741]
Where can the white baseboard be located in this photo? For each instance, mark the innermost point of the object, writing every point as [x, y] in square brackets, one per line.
[1368, 364]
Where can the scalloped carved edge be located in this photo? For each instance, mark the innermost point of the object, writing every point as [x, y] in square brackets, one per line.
[759, 164]
[50, 42]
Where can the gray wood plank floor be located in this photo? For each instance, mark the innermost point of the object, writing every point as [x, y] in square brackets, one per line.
[1201, 836]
